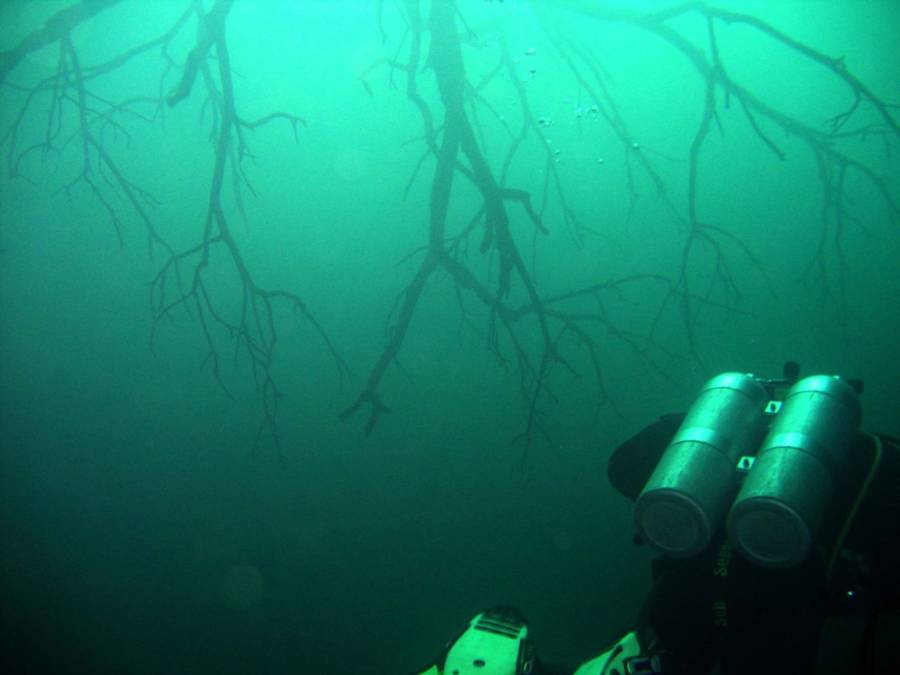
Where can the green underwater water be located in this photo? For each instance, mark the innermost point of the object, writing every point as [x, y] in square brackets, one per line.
[143, 530]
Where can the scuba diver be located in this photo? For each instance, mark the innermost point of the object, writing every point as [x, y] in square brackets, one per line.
[778, 525]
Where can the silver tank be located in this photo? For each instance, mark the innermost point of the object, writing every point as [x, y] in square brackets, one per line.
[778, 512]
[686, 497]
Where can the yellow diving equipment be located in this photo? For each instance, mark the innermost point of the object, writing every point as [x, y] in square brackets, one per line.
[624, 658]
[494, 643]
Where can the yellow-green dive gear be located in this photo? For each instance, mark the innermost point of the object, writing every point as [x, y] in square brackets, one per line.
[495, 642]
[625, 657]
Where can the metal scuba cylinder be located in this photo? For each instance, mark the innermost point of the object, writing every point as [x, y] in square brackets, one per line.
[780, 506]
[686, 497]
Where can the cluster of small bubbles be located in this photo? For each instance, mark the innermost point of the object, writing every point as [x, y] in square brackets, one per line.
[580, 111]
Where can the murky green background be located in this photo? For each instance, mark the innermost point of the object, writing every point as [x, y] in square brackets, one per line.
[141, 534]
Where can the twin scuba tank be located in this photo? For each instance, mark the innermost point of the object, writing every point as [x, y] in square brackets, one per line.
[766, 467]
